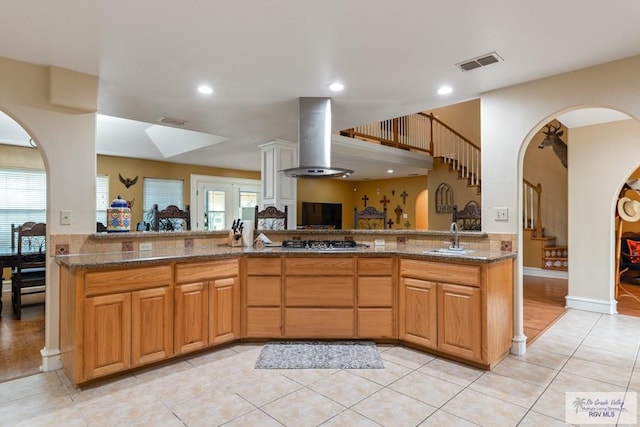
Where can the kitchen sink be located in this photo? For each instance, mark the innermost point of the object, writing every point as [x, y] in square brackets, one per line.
[447, 251]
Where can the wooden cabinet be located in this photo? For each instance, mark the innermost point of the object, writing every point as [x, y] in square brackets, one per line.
[462, 310]
[151, 325]
[319, 297]
[207, 304]
[115, 320]
[191, 317]
[460, 320]
[263, 297]
[418, 312]
[107, 334]
[375, 297]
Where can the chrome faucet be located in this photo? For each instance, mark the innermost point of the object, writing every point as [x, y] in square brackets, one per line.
[455, 246]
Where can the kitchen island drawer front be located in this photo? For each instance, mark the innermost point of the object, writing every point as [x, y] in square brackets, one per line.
[462, 274]
[319, 323]
[375, 291]
[376, 323]
[129, 279]
[320, 266]
[264, 322]
[264, 266]
[319, 292]
[203, 271]
[263, 290]
[375, 266]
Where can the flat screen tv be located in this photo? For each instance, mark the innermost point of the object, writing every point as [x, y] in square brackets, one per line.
[322, 215]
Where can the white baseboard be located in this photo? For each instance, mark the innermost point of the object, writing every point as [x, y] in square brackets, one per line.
[589, 304]
[541, 272]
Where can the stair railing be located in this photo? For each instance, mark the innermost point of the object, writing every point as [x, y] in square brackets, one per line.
[532, 207]
[425, 133]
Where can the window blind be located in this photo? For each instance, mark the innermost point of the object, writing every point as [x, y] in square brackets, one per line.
[102, 198]
[23, 197]
[164, 192]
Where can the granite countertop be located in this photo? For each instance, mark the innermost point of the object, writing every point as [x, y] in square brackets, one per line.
[127, 259]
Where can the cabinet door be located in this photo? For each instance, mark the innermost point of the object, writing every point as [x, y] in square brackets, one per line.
[417, 312]
[107, 334]
[224, 310]
[191, 319]
[152, 325]
[459, 325]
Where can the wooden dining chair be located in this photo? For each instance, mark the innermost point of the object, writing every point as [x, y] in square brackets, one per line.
[270, 218]
[370, 218]
[29, 275]
[169, 218]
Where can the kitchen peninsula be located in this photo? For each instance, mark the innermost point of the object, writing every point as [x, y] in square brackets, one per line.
[126, 309]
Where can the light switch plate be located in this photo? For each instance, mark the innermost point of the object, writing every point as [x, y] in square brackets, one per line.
[65, 217]
[501, 214]
[378, 242]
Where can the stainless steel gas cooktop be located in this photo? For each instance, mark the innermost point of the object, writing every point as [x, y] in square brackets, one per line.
[321, 244]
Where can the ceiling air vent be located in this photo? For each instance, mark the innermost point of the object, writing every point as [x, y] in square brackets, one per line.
[480, 61]
[171, 121]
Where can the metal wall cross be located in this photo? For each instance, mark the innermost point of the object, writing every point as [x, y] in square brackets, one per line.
[364, 199]
[385, 201]
[404, 197]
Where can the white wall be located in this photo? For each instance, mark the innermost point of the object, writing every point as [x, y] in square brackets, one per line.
[511, 116]
[66, 140]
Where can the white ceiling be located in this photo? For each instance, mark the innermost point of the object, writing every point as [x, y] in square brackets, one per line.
[261, 56]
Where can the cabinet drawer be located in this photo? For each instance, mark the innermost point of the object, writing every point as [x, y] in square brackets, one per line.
[264, 266]
[128, 279]
[462, 274]
[264, 322]
[319, 322]
[263, 290]
[375, 323]
[320, 266]
[375, 291]
[203, 271]
[319, 291]
[375, 266]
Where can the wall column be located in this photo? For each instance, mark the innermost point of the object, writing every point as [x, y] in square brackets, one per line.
[277, 189]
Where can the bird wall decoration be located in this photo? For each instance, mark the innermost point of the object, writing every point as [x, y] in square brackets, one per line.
[128, 182]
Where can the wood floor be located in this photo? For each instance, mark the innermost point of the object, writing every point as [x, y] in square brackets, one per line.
[22, 340]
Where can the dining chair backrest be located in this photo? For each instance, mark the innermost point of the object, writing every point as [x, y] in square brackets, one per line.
[29, 275]
[172, 218]
[14, 233]
[270, 218]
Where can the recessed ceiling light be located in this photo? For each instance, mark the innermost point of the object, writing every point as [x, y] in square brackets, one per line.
[336, 87]
[389, 170]
[445, 90]
[205, 90]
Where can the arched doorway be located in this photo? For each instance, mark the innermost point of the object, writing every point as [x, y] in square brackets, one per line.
[594, 180]
[23, 199]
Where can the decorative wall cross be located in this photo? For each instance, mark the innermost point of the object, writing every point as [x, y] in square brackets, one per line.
[404, 197]
[364, 199]
[390, 222]
[385, 201]
[398, 212]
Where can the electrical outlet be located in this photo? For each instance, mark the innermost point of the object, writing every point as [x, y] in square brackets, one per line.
[147, 246]
[501, 214]
[65, 217]
[378, 242]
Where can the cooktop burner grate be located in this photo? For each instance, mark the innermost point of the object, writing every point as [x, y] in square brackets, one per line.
[319, 244]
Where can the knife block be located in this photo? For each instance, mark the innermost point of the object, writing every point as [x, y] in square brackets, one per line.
[235, 239]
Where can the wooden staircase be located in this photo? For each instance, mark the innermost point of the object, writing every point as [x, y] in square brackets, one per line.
[539, 250]
[426, 133]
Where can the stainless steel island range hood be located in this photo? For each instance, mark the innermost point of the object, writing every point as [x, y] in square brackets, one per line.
[314, 136]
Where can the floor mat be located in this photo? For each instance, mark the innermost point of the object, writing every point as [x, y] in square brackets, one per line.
[319, 355]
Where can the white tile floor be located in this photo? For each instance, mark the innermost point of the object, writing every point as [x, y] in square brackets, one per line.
[581, 352]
